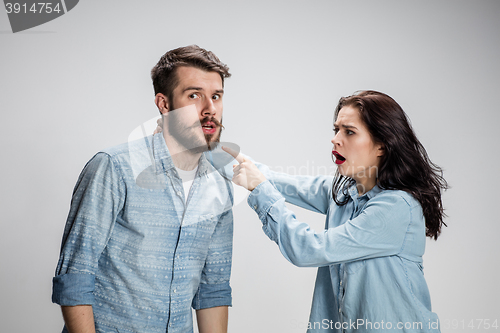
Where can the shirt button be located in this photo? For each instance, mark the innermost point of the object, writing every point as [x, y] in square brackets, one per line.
[254, 206]
[340, 282]
[175, 290]
[179, 193]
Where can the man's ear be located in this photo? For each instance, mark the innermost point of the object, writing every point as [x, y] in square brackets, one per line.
[161, 102]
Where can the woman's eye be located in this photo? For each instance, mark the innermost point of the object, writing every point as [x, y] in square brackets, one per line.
[349, 132]
[335, 130]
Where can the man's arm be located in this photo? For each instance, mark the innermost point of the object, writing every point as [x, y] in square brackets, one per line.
[214, 292]
[79, 319]
[96, 202]
[212, 320]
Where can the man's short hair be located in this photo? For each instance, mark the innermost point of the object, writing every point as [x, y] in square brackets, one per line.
[164, 75]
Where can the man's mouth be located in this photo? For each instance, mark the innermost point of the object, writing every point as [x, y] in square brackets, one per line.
[339, 159]
[209, 127]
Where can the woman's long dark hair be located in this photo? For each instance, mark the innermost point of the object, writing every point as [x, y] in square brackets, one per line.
[405, 164]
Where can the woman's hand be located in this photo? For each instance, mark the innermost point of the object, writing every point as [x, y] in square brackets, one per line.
[159, 126]
[246, 174]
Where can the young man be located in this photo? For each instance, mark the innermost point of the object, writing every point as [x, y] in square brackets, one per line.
[149, 232]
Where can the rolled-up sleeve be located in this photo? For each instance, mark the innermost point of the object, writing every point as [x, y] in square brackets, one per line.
[73, 289]
[97, 200]
[214, 289]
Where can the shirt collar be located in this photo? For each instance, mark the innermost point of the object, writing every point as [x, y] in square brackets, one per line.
[353, 192]
[162, 157]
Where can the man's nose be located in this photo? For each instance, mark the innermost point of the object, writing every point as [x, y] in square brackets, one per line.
[209, 108]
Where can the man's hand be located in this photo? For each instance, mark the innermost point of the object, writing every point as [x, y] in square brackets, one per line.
[246, 174]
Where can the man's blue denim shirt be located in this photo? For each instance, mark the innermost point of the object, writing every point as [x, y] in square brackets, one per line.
[135, 251]
[370, 276]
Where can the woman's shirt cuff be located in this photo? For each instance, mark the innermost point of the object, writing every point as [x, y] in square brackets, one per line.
[261, 199]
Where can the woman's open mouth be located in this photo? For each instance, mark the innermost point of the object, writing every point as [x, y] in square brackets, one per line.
[339, 159]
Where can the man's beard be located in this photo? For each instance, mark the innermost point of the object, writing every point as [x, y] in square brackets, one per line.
[187, 136]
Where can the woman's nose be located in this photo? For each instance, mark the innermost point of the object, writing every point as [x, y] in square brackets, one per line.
[335, 140]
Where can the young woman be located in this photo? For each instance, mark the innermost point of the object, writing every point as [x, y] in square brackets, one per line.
[383, 202]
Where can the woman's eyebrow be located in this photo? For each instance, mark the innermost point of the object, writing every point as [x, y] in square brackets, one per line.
[349, 126]
[345, 126]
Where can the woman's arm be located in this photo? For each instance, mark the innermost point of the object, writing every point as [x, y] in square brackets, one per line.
[312, 193]
[378, 231]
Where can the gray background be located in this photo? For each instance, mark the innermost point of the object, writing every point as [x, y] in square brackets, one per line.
[81, 83]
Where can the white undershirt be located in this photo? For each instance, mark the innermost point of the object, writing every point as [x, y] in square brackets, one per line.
[187, 180]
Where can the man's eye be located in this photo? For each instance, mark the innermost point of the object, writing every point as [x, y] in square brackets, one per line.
[193, 96]
[215, 97]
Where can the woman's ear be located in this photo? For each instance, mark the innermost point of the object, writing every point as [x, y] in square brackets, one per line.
[380, 149]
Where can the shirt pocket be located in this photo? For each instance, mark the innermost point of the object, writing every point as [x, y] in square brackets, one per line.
[204, 230]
